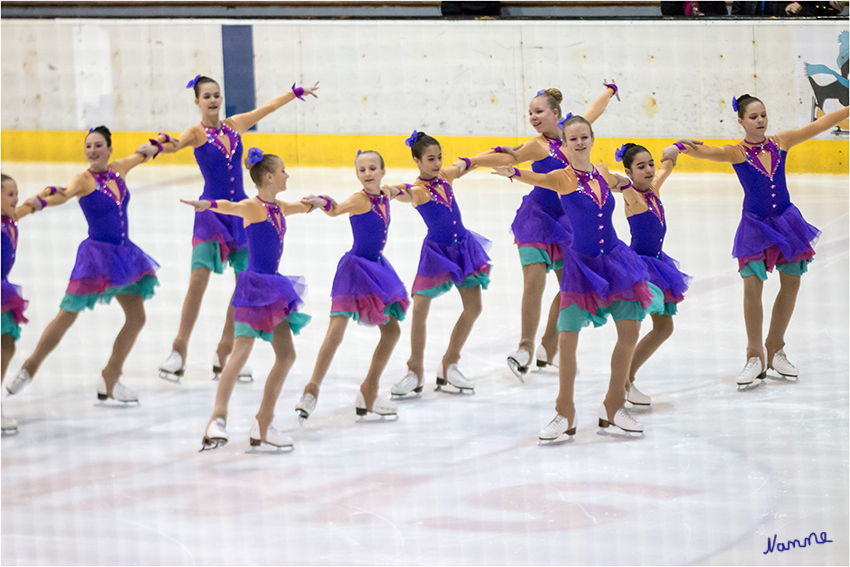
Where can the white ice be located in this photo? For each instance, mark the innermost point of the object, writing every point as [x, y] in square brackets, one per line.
[455, 480]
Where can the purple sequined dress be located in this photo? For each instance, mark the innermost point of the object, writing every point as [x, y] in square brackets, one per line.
[648, 230]
[13, 304]
[450, 253]
[599, 268]
[772, 229]
[263, 298]
[222, 173]
[366, 287]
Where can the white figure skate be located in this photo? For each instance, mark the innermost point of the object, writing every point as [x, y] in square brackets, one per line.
[622, 419]
[782, 367]
[215, 435]
[407, 385]
[380, 406]
[557, 427]
[21, 380]
[173, 368]
[305, 407]
[752, 371]
[273, 437]
[636, 397]
[454, 378]
[518, 362]
[246, 375]
[120, 393]
[543, 358]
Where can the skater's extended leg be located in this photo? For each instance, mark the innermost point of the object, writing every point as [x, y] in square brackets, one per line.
[783, 309]
[390, 333]
[754, 317]
[333, 338]
[550, 335]
[134, 320]
[241, 350]
[628, 332]
[284, 358]
[8, 351]
[662, 328]
[225, 345]
[533, 284]
[471, 299]
[198, 281]
[567, 345]
[418, 324]
[51, 336]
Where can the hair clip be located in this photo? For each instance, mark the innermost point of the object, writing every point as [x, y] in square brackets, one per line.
[620, 152]
[540, 92]
[193, 81]
[734, 104]
[412, 139]
[255, 156]
[358, 154]
[91, 130]
[563, 120]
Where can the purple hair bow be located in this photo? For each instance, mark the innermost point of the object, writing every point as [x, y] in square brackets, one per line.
[412, 139]
[191, 83]
[358, 154]
[563, 120]
[91, 130]
[620, 152]
[734, 104]
[255, 156]
[540, 92]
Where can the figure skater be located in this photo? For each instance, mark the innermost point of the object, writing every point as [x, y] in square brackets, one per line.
[216, 238]
[451, 256]
[648, 225]
[365, 289]
[265, 303]
[602, 276]
[539, 230]
[108, 264]
[772, 232]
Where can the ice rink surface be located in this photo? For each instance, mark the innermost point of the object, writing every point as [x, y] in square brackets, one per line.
[455, 480]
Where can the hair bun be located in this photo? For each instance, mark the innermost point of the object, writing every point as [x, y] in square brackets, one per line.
[555, 93]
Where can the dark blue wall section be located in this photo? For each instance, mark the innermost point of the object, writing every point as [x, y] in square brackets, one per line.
[238, 48]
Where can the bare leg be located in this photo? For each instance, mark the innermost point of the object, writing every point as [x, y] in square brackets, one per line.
[753, 317]
[533, 285]
[241, 350]
[471, 299]
[134, 320]
[621, 360]
[333, 338]
[550, 335]
[418, 324]
[8, 351]
[567, 345]
[783, 309]
[284, 358]
[225, 345]
[390, 333]
[51, 336]
[191, 307]
[662, 328]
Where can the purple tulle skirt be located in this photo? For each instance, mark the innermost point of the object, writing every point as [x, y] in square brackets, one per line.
[534, 226]
[13, 302]
[439, 263]
[227, 230]
[597, 281]
[103, 265]
[368, 290]
[262, 301]
[780, 239]
[664, 272]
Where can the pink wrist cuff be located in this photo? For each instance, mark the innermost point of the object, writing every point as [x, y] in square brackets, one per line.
[212, 202]
[297, 91]
[42, 201]
[498, 149]
[680, 145]
[327, 206]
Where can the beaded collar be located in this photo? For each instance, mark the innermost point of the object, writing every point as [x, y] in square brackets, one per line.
[555, 150]
[101, 178]
[380, 206]
[275, 217]
[653, 203]
[213, 137]
[584, 177]
[753, 151]
[432, 185]
[10, 229]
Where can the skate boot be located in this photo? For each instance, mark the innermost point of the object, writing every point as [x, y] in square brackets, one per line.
[380, 406]
[21, 381]
[215, 435]
[782, 367]
[454, 378]
[9, 425]
[305, 406]
[246, 375]
[273, 437]
[636, 397]
[409, 384]
[543, 358]
[622, 419]
[751, 371]
[557, 427]
[518, 362]
[120, 393]
[173, 368]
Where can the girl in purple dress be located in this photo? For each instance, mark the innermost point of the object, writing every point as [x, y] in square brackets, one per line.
[451, 256]
[265, 303]
[602, 276]
[772, 232]
[648, 226]
[365, 289]
[217, 238]
[539, 228]
[108, 264]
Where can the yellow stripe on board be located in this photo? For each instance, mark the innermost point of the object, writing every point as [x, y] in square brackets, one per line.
[326, 150]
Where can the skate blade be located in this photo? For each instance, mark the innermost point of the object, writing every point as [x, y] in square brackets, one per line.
[10, 432]
[412, 395]
[104, 402]
[208, 444]
[173, 377]
[258, 447]
[454, 390]
[246, 379]
[558, 441]
[519, 371]
[779, 377]
[372, 417]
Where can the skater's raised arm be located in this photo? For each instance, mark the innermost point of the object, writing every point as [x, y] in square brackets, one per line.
[601, 103]
[357, 204]
[790, 138]
[557, 181]
[242, 122]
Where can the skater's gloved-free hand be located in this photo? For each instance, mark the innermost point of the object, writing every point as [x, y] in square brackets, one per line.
[198, 205]
[148, 150]
[504, 170]
[692, 144]
[670, 153]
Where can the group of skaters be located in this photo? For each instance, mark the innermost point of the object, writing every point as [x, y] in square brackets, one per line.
[564, 225]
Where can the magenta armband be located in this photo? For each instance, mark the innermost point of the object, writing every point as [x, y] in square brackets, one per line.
[297, 91]
[158, 144]
[52, 189]
[168, 138]
[42, 201]
[327, 206]
[626, 186]
[498, 149]
[516, 173]
[611, 86]
[680, 145]
[212, 202]
[467, 162]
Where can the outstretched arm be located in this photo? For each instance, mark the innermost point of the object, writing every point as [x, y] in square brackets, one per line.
[600, 104]
[295, 208]
[545, 180]
[405, 193]
[170, 144]
[790, 138]
[124, 165]
[242, 122]
[37, 202]
[505, 155]
[242, 209]
[355, 205]
[727, 154]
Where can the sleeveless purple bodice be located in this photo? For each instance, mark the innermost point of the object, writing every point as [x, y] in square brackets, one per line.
[106, 214]
[593, 230]
[548, 200]
[10, 244]
[221, 169]
[649, 227]
[765, 192]
[370, 229]
[265, 241]
[442, 216]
